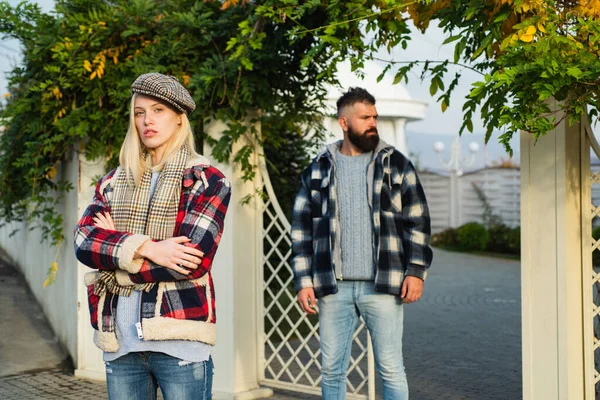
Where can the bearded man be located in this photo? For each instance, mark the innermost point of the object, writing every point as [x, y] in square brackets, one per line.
[360, 246]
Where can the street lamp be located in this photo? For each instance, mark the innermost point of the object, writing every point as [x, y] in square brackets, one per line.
[456, 161]
[454, 167]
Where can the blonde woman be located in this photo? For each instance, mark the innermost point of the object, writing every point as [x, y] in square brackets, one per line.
[151, 233]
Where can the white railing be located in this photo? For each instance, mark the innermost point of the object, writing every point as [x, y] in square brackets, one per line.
[291, 358]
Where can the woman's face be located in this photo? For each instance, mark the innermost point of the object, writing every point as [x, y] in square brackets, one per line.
[156, 124]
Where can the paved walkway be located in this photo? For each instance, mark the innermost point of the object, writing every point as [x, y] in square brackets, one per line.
[462, 340]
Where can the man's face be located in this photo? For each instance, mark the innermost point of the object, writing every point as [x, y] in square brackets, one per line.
[361, 126]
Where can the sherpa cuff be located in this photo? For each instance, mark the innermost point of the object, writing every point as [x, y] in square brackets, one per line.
[90, 277]
[123, 278]
[128, 249]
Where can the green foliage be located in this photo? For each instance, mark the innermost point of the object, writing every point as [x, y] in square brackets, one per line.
[72, 89]
[472, 237]
[504, 239]
[349, 30]
[596, 233]
[528, 52]
[285, 156]
[447, 238]
[498, 238]
[274, 56]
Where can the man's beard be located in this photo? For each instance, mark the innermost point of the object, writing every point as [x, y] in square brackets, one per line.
[364, 141]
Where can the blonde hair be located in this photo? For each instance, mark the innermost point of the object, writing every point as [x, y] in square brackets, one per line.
[131, 156]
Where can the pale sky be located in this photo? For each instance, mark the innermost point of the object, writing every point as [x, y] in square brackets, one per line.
[9, 49]
[429, 47]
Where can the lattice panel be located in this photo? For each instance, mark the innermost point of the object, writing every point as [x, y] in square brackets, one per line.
[595, 248]
[291, 338]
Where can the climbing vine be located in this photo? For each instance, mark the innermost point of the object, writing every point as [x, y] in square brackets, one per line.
[71, 90]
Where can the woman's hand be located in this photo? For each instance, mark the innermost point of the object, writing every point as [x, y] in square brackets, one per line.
[104, 221]
[173, 253]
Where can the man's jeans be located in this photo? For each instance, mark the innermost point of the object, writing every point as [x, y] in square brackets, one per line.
[339, 318]
[136, 376]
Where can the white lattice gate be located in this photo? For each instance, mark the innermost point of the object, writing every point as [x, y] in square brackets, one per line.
[591, 261]
[291, 358]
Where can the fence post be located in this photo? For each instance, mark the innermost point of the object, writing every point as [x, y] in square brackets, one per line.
[236, 268]
[551, 259]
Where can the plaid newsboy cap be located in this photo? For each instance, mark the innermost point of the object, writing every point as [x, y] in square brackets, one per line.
[164, 87]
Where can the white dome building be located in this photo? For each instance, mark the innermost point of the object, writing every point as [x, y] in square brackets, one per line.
[394, 104]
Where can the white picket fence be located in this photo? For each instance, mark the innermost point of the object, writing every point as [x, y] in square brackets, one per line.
[501, 187]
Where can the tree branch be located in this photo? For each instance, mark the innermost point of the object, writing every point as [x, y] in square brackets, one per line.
[430, 62]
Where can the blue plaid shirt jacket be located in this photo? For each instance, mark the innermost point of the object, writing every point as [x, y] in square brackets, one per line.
[400, 217]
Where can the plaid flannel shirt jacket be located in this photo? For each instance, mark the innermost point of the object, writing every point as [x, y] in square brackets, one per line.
[179, 306]
[400, 218]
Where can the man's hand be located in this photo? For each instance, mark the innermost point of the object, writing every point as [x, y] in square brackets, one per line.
[412, 288]
[306, 298]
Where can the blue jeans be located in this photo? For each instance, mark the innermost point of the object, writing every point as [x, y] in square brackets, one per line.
[338, 319]
[136, 376]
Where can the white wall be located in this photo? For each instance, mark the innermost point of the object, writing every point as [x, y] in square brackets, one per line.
[34, 256]
[65, 302]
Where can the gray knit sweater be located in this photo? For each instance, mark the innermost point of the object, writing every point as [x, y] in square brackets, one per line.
[355, 216]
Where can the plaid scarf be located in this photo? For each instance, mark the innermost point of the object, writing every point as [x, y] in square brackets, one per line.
[132, 211]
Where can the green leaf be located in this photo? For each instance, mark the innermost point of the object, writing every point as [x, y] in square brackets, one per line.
[469, 125]
[459, 48]
[398, 77]
[483, 46]
[433, 87]
[452, 39]
[574, 72]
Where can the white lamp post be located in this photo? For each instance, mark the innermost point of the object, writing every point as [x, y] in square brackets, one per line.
[455, 162]
[454, 167]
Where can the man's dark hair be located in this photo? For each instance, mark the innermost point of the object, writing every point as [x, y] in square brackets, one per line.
[352, 96]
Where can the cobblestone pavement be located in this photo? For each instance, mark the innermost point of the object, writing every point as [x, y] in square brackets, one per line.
[462, 340]
[53, 384]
